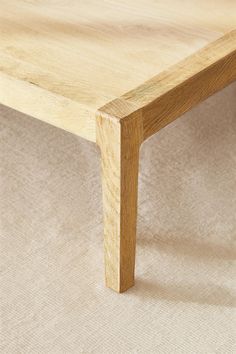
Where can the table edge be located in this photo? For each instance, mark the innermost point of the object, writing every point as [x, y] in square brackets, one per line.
[158, 101]
[165, 97]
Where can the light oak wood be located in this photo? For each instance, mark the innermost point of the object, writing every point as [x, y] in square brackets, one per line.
[119, 140]
[46, 106]
[77, 56]
[173, 92]
[115, 73]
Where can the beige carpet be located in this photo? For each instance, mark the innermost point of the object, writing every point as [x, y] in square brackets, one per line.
[51, 281]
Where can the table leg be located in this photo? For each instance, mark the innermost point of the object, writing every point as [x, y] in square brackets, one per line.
[119, 141]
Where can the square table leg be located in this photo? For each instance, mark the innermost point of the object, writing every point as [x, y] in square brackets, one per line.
[119, 141]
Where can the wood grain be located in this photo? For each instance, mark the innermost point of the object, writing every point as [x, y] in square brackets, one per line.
[80, 55]
[119, 141]
[170, 94]
[49, 107]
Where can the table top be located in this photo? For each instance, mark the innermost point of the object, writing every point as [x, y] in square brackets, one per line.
[80, 55]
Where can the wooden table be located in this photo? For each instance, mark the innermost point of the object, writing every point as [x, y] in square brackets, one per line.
[115, 72]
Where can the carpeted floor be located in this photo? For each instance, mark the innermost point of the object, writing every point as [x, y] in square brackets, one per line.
[51, 281]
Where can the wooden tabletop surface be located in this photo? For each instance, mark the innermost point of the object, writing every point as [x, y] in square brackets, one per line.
[62, 60]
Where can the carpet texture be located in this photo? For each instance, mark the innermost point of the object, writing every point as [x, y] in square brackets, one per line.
[52, 295]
